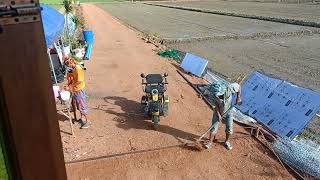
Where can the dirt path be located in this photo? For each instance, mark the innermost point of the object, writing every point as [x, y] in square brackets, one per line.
[114, 90]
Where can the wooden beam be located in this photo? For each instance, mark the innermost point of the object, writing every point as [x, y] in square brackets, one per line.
[28, 100]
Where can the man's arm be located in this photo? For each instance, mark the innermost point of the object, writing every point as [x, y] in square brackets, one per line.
[217, 111]
[238, 100]
[75, 84]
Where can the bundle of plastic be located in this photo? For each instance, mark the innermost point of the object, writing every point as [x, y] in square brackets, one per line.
[303, 155]
[213, 77]
[240, 117]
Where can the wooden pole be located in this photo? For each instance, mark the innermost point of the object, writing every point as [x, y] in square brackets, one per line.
[69, 116]
[28, 102]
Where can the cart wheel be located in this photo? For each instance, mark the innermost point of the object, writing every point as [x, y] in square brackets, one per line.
[155, 120]
[165, 109]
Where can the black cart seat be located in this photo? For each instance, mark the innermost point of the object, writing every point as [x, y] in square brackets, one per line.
[154, 78]
[161, 88]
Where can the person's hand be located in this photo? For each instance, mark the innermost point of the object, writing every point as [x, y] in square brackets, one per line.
[70, 86]
[238, 101]
[219, 118]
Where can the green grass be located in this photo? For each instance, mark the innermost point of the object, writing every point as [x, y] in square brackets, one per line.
[60, 1]
[56, 6]
[3, 169]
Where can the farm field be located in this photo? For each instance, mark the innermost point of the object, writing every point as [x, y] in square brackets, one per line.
[81, 1]
[56, 6]
[286, 54]
[181, 24]
[295, 58]
[121, 143]
[307, 12]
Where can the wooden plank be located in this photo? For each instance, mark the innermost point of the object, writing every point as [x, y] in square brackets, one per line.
[29, 102]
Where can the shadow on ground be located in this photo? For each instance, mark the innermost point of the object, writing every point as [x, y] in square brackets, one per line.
[132, 117]
[63, 119]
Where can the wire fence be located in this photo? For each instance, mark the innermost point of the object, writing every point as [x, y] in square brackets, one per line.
[303, 155]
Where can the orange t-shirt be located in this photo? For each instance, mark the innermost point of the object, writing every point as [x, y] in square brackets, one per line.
[78, 76]
[69, 78]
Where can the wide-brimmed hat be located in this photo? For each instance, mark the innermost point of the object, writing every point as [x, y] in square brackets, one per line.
[217, 88]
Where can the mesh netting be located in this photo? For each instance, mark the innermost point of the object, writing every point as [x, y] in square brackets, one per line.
[303, 155]
[171, 53]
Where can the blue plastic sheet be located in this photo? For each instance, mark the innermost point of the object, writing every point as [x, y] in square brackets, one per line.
[88, 52]
[194, 64]
[53, 24]
[88, 36]
[284, 108]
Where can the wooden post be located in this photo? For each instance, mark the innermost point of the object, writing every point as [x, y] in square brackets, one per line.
[69, 116]
[257, 132]
[28, 102]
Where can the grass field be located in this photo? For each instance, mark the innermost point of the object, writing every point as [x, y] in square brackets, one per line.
[57, 4]
[3, 170]
[83, 1]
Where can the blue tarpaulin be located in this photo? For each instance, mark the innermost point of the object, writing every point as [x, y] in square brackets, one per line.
[194, 64]
[284, 108]
[89, 38]
[53, 24]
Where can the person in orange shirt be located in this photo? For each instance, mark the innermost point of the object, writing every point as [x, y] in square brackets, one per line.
[76, 85]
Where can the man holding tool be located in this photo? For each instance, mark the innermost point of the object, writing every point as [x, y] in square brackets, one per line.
[76, 85]
[223, 103]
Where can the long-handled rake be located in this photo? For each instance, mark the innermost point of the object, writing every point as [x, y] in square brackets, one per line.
[198, 145]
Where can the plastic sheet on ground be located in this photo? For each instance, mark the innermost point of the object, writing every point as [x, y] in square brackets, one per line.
[284, 108]
[240, 117]
[194, 64]
[303, 155]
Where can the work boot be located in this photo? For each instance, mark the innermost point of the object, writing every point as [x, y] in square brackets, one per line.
[208, 145]
[85, 125]
[227, 144]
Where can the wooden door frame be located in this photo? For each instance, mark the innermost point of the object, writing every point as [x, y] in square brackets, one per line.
[30, 118]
